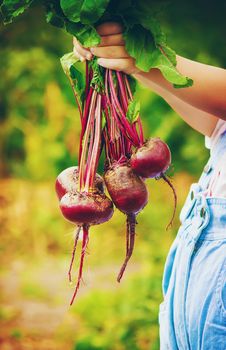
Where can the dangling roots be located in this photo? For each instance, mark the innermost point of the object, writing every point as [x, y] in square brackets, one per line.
[73, 253]
[165, 178]
[130, 239]
[85, 241]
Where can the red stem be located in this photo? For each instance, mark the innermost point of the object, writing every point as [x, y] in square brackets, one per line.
[76, 97]
[123, 91]
[119, 110]
[92, 166]
[85, 141]
[84, 119]
[138, 120]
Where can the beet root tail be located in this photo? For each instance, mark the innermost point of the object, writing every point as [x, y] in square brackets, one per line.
[73, 253]
[130, 240]
[165, 178]
[85, 241]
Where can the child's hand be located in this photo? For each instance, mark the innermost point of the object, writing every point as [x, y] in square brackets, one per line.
[111, 50]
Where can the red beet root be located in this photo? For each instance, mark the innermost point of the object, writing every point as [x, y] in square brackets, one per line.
[86, 208]
[68, 181]
[126, 189]
[129, 195]
[152, 159]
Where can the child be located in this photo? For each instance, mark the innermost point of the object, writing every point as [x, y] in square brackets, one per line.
[193, 313]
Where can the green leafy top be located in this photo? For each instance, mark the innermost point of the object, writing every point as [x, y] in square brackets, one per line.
[70, 65]
[133, 111]
[144, 39]
[11, 9]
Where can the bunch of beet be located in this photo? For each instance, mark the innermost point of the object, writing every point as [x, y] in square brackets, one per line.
[110, 122]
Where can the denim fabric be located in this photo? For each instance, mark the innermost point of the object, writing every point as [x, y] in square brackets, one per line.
[193, 313]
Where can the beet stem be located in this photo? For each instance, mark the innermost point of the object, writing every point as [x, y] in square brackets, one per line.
[76, 97]
[131, 220]
[83, 251]
[139, 120]
[118, 108]
[73, 253]
[164, 177]
[85, 142]
[93, 163]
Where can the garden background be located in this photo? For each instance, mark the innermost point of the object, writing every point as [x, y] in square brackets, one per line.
[39, 132]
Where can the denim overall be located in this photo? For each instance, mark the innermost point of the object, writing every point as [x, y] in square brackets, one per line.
[193, 313]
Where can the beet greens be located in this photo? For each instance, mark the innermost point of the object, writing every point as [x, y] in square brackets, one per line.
[144, 39]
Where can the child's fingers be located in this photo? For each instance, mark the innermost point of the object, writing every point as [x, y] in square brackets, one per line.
[81, 58]
[110, 52]
[126, 65]
[109, 28]
[112, 40]
[82, 52]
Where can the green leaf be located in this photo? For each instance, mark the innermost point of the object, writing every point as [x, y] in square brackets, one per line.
[12, 8]
[103, 120]
[67, 61]
[84, 11]
[71, 9]
[153, 25]
[149, 54]
[78, 81]
[97, 81]
[86, 35]
[133, 111]
[54, 13]
[76, 77]
[54, 19]
[140, 44]
[92, 10]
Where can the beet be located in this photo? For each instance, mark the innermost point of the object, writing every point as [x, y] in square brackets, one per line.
[68, 179]
[127, 190]
[129, 194]
[152, 159]
[83, 208]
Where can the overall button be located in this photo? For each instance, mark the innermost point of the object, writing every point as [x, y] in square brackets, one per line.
[207, 168]
[203, 212]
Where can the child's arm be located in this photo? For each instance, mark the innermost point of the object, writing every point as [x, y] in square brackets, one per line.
[208, 92]
[199, 120]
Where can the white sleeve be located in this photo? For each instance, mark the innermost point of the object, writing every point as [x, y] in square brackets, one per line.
[211, 141]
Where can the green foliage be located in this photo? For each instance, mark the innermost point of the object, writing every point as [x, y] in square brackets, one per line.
[133, 111]
[13, 8]
[92, 10]
[97, 81]
[147, 44]
[144, 38]
[71, 9]
[86, 34]
[72, 68]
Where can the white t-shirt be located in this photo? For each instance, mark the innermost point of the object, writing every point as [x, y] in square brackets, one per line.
[217, 185]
